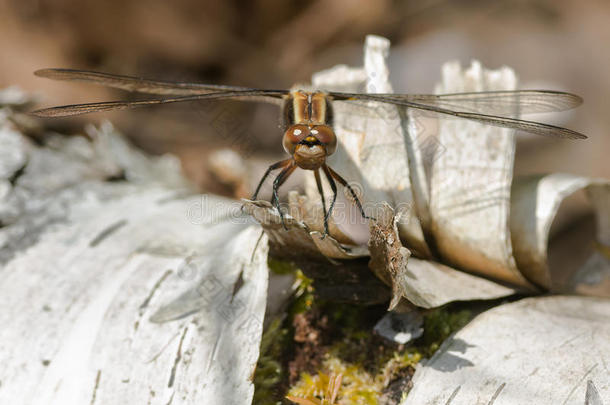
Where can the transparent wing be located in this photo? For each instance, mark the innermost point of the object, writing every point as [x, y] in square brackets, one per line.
[76, 109]
[136, 84]
[490, 102]
[483, 107]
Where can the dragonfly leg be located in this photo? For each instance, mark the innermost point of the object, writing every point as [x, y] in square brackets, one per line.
[345, 184]
[281, 163]
[321, 191]
[279, 180]
[333, 186]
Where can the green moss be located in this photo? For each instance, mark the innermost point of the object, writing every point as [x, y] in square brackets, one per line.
[277, 339]
[280, 266]
[269, 372]
[367, 365]
[393, 366]
[357, 385]
[303, 295]
[439, 324]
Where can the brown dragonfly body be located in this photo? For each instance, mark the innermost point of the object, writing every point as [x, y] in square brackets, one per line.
[308, 134]
[309, 138]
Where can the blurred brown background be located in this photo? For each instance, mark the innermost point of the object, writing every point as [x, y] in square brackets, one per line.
[275, 43]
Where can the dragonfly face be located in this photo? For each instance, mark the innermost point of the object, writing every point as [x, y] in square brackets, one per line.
[309, 137]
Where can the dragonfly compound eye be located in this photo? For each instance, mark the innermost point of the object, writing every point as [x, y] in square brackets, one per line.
[293, 136]
[326, 136]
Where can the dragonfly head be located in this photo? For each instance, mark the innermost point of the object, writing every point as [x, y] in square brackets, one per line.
[310, 144]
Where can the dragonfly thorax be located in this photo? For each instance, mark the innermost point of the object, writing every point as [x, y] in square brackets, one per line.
[307, 107]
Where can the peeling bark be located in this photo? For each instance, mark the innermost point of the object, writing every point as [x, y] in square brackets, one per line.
[89, 265]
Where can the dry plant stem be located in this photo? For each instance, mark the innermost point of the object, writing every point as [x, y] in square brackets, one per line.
[330, 394]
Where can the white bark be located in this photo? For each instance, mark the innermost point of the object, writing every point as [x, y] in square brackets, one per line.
[552, 350]
[123, 292]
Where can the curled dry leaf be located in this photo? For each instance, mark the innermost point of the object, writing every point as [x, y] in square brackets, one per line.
[424, 283]
[339, 272]
[388, 256]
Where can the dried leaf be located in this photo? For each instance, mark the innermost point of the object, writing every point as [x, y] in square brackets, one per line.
[336, 269]
[424, 283]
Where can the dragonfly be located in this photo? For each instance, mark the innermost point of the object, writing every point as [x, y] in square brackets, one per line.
[309, 138]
